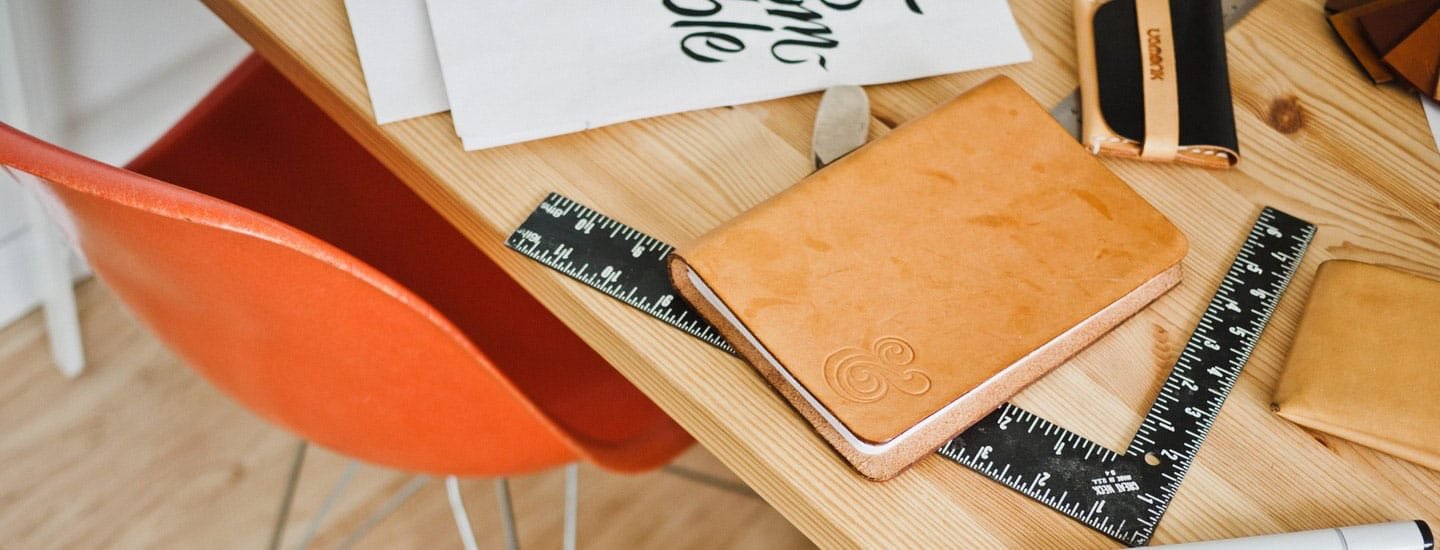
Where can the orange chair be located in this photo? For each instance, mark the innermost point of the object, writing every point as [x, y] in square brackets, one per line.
[297, 274]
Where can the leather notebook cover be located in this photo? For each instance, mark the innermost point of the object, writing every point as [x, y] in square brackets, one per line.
[905, 291]
[1365, 359]
[1417, 58]
[1154, 80]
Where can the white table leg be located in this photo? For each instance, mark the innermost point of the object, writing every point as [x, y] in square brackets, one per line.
[50, 252]
[51, 263]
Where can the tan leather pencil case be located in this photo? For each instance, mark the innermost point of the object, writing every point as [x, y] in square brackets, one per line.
[1365, 363]
[1154, 83]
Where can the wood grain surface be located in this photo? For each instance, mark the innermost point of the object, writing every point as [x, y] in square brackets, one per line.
[1318, 141]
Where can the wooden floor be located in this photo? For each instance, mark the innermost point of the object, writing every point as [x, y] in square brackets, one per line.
[139, 452]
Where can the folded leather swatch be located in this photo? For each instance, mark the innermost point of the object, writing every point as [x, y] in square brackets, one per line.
[1154, 82]
[1333, 6]
[905, 291]
[1365, 364]
[1386, 27]
[1352, 33]
[1417, 58]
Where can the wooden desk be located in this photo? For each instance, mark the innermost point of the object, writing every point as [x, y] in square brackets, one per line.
[1319, 142]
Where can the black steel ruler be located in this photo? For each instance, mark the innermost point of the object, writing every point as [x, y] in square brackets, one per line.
[611, 257]
[1121, 495]
[1124, 495]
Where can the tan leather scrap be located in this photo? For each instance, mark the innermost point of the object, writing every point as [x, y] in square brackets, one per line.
[1162, 96]
[1363, 363]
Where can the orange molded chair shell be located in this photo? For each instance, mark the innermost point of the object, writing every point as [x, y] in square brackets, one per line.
[304, 280]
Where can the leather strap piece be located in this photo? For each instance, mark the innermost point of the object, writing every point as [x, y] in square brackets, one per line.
[1162, 96]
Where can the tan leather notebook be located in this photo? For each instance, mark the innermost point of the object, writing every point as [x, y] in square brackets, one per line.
[908, 289]
[1364, 361]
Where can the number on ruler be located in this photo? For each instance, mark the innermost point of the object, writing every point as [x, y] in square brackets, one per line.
[1132, 491]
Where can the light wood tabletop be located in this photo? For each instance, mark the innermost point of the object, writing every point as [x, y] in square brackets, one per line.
[1318, 141]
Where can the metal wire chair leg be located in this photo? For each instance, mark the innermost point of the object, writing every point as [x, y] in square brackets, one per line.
[462, 518]
[572, 504]
[385, 510]
[507, 513]
[293, 480]
[328, 504]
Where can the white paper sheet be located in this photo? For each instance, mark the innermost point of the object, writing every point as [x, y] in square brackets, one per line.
[1432, 114]
[516, 71]
[397, 55]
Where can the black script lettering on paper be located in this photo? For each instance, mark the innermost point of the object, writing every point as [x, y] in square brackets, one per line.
[795, 29]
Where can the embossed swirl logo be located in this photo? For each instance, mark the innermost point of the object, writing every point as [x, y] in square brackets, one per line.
[865, 376]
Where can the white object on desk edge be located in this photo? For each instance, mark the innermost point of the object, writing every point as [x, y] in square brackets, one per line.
[397, 57]
[596, 64]
[1432, 113]
[1396, 535]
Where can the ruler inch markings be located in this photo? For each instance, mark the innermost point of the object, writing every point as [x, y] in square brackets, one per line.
[609, 261]
[1099, 487]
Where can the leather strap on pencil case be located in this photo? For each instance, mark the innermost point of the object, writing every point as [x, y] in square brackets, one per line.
[1154, 83]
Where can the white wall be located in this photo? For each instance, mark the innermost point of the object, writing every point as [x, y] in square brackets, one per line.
[103, 78]
[17, 292]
